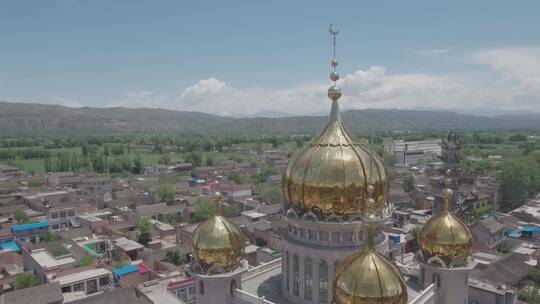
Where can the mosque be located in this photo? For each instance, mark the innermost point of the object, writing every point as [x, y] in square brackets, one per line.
[333, 249]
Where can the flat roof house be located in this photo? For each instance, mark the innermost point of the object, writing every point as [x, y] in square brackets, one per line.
[30, 232]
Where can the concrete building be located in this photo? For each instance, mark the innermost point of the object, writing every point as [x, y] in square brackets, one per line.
[158, 212]
[30, 232]
[489, 232]
[86, 282]
[432, 146]
[61, 218]
[41, 294]
[129, 247]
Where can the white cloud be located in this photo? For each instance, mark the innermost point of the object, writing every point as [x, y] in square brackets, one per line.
[66, 102]
[373, 88]
[504, 78]
[512, 63]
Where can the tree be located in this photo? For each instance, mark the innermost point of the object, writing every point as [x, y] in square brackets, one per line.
[415, 234]
[49, 237]
[34, 183]
[534, 276]
[263, 174]
[484, 166]
[481, 211]
[164, 160]
[194, 158]
[235, 177]
[25, 280]
[203, 208]
[518, 137]
[117, 150]
[86, 260]
[166, 193]
[173, 218]
[271, 194]
[174, 257]
[21, 217]
[530, 294]
[409, 184]
[519, 177]
[145, 231]
[299, 142]
[230, 211]
[209, 160]
[137, 165]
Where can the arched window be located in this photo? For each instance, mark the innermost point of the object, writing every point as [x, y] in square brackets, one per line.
[296, 274]
[201, 287]
[436, 279]
[308, 279]
[287, 263]
[233, 286]
[323, 282]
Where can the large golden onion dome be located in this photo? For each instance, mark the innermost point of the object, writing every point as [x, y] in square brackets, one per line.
[331, 174]
[445, 237]
[368, 277]
[217, 244]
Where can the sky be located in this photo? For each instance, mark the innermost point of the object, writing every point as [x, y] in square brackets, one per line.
[244, 57]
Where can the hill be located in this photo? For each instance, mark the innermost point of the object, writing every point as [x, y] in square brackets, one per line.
[29, 118]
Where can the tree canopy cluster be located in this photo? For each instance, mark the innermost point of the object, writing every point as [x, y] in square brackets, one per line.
[520, 177]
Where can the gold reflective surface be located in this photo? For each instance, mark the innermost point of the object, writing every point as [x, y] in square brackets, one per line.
[446, 236]
[331, 174]
[218, 243]
[368, 277]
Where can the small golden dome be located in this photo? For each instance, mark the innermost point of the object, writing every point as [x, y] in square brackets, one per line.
[368, 277]
[218, 244]
[331, 174]
[445, 236]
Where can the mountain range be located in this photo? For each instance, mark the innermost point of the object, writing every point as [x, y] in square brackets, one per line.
[33, 118]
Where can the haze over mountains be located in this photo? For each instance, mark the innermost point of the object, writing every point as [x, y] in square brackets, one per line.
[24, 118]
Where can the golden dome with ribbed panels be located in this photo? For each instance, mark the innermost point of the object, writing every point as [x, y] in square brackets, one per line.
[446, 239]
[368, 277]
[331, 174]
[217, 244]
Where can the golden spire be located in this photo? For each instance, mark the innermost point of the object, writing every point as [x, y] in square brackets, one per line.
[217, 198]
[369, 219]
[331, 174]
[445, 239]
[334, 92]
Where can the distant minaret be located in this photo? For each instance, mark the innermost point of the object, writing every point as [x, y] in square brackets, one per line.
[451, 151]
[451, 156]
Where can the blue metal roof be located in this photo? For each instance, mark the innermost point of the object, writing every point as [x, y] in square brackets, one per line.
[531, 229]
[395, 238]
[10, 246]
[120, 272]
[18, 228]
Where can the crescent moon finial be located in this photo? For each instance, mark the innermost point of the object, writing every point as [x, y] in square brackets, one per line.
[332, 31]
